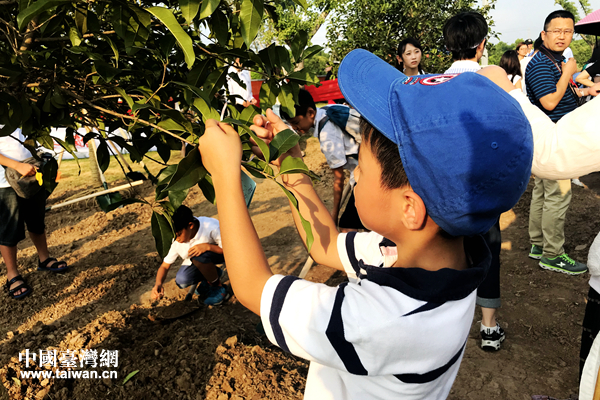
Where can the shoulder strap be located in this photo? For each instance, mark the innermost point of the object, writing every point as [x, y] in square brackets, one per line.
[322, 123]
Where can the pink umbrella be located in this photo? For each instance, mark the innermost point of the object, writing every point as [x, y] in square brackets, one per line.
[590, 25]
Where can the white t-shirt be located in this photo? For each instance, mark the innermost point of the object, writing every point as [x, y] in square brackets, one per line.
[235, 88]
[399, 333]
[11, 148]
[335, 144]
[517, 79]
[208, 232]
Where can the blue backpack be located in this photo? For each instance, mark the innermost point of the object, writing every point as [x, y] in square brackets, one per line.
[345, 118]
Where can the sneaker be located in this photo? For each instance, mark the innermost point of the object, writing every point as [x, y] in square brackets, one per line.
[492, 337]
[217, 295]
[577, 182]
[536, 252]
[203, 289]
[564, 264]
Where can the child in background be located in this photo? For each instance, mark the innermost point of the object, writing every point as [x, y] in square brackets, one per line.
[340, 150]
[198, 242]
[400, 332]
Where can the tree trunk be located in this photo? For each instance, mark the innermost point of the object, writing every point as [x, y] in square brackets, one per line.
[96, 181]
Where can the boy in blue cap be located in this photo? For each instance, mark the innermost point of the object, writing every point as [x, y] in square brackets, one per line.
[441, 157]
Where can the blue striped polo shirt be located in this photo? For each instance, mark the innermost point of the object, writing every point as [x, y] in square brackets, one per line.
[541, 77]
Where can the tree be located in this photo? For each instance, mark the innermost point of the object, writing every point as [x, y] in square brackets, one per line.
[497, 50]
[378, 26]
[67, 63]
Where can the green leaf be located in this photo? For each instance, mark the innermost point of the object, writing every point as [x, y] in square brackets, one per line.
[251, 14]
[311, 51]
[206, 110]
[302, 3]
[286, 99]
[162, 232]
[305, 224]
[214, 82]
[268, 94]
[220, 27]
[103, 156]
[125, 96]
[131, 375]
[206, 185]
[298, 44]
[171, 125]
[124, 202]
[74, 36]
[295, 165]
[184, 41]
[35, 9]
[114, 49]
[176, 197]
[208, 7]
[282, 142]
[189, 172]
[304, 77]
[189, 9]
[106, 71]
[264, 148]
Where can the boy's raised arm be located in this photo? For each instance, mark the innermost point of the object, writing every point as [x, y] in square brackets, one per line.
[221, 151]
[324, 248]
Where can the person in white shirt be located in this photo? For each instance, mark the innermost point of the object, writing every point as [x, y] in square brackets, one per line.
[510, 63]
[245, 98]
[198, 243]
[16, 213]
[473, 28]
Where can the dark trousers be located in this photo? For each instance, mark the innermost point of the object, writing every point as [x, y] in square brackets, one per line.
[590, 327]
[488, 293]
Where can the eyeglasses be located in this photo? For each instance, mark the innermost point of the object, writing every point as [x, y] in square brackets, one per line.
[559, 31]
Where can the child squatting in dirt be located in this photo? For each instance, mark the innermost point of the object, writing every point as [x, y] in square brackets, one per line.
[198, 242]
[441, 158]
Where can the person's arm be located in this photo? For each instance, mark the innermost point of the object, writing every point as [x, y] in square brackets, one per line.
[338, 188]
[203, 248]
[564, 150]
[221, 151]
[324, 248]
[550, 101]
[158, 291]
[22, 168]
[584, 79]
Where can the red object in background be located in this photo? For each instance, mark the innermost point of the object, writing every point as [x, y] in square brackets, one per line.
[327, 92]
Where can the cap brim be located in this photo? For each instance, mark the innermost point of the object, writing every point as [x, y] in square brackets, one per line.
[365, 81]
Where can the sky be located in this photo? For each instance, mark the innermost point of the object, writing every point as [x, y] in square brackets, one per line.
[513, 19]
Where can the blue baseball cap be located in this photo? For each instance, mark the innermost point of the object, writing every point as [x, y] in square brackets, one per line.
[465, 144]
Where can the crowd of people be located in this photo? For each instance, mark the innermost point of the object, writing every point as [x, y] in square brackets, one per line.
[420, 237]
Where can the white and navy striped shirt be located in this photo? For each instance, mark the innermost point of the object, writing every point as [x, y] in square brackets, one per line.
[397, 333]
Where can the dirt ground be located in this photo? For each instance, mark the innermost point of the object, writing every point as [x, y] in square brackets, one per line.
[103, 303]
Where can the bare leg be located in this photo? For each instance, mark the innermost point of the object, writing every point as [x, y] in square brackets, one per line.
[488, 317]
[9, 254]
[39, 241]
[208, 270]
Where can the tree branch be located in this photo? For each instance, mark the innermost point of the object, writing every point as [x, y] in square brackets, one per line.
[66, 38]
[125, 116]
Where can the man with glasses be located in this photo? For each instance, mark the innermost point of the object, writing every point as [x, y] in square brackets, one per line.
[548, 81]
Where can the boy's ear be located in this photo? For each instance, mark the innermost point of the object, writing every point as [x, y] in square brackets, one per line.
[414, 212]
[311, 113]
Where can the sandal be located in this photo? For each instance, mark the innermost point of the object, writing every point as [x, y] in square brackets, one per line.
[57, 266]
[24, 285]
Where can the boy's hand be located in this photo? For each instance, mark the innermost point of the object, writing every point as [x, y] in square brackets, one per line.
[266, 128]
[594, 90]
[221, 149]
[26, 169]
[198, 250]
[158, 292]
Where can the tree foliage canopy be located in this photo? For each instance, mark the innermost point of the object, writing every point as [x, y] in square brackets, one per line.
[66, 63]
[379, 25]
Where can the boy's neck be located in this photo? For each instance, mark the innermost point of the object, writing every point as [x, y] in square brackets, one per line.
[195, 227]
[431, 253]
